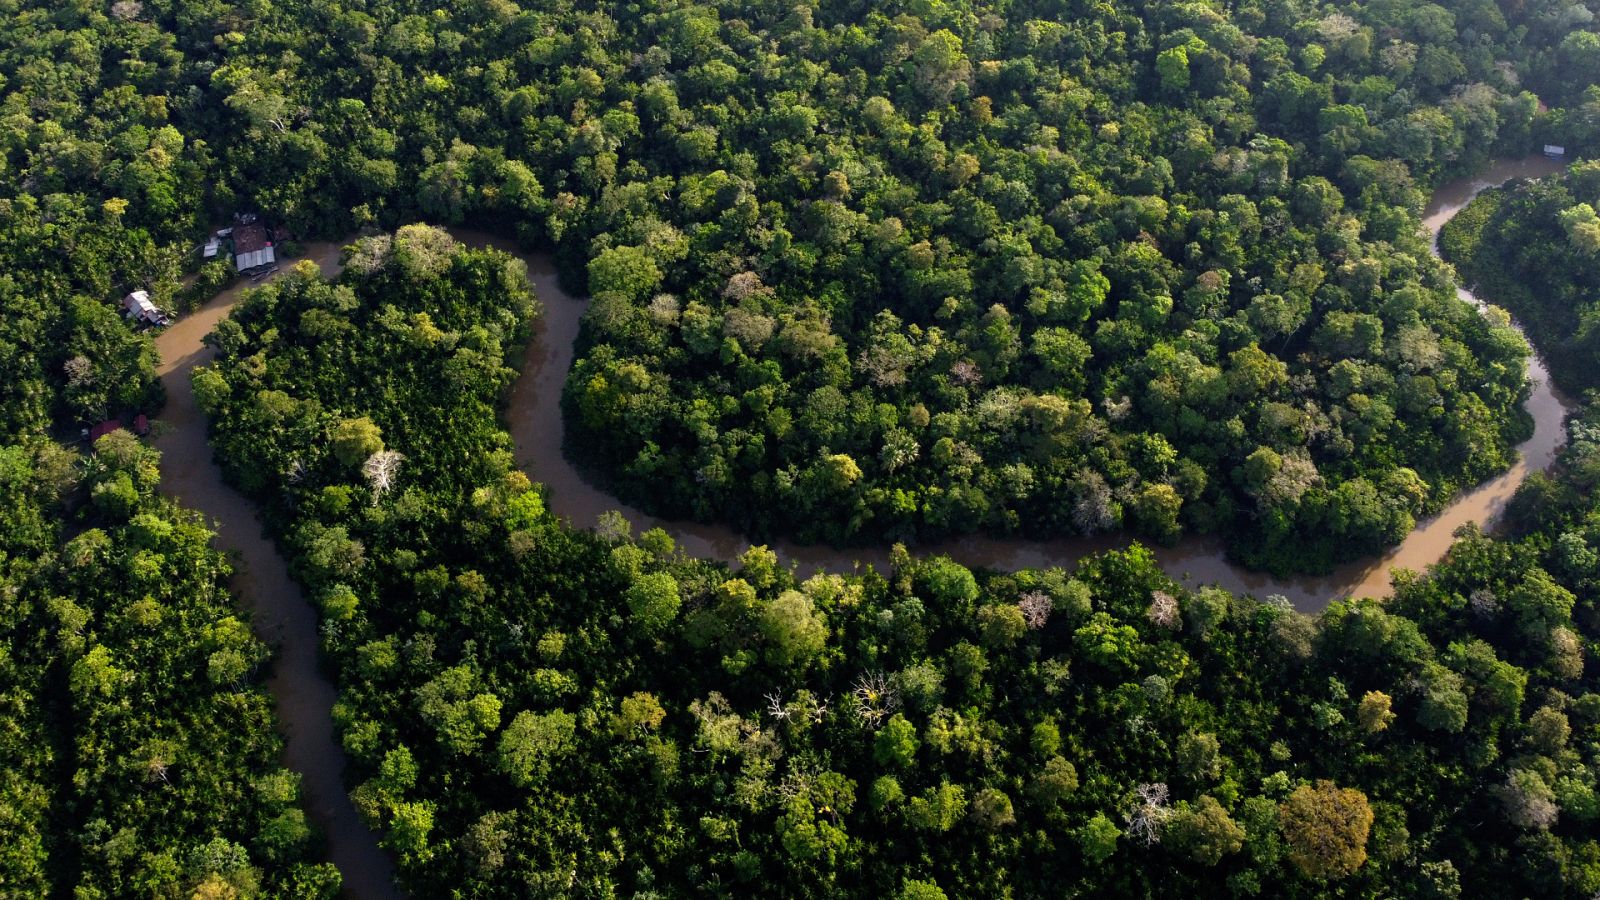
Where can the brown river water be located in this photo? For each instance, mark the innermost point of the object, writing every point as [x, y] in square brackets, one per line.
[304, 694]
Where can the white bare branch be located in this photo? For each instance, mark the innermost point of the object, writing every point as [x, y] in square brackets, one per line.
[1035, 606]
[875, 697]
[380, 470]
[1149, 813]
[775, 707]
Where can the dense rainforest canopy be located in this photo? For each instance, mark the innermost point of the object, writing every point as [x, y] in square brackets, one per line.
[861, 272]
[537, 711]
[1049, 268]
[137, 751]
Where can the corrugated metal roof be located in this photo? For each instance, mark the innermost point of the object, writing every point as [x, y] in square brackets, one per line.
[138, 303]
[262, 257]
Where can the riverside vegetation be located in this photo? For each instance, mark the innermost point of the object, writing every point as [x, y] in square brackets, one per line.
[1055, 269]
[137, 752]
[1532, 248]
[859, 271]
[536, 710]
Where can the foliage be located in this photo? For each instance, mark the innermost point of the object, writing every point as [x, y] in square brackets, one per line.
[912, 730]
[136, 740]
[1041, 270]
[1531, 247]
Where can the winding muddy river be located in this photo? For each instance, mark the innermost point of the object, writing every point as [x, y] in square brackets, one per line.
[304, 695]
[534, 417]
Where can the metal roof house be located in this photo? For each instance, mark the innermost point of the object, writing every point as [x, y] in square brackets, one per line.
[137, 306]
[252, 248]
[1555, 151]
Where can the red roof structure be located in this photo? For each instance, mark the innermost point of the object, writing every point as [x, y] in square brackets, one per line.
[103, 429]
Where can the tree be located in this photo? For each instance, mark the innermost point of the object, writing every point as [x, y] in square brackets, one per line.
[638, 713]
[1148, 816]
[1200, 756]
[1173, 66]
[1444, 702]
[1374, 715]
[992, 810]
[380, 470]
[653, 600]
[920, 890]
[1203, 831]
[794, 630]
[1325, 827]
[1098, 838]
[895, 745]
[532, 743]
[422, 252]
[355, 440]
[1002, 624]
[461, 715]
[938, 808]
[1105, 643]
[1056, 781]
[1529, 801]
[626, 272]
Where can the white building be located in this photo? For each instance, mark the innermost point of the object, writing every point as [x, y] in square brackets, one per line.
[138, 307]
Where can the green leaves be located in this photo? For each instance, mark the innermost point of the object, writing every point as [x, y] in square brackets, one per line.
[653, 600]
[531, 744]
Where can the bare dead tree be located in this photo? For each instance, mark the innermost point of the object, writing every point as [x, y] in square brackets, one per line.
[965, 372]
[1149, 813]
[775, 706]
[1035, 606]
[380, 470]
[1163, 610]
[875, 697]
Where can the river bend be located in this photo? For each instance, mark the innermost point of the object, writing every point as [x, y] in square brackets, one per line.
[534, 417]
[304, 695]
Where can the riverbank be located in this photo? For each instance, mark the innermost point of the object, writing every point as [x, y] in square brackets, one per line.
[303, 695]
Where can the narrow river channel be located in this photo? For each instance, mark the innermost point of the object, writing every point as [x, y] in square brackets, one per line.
[304, 695]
